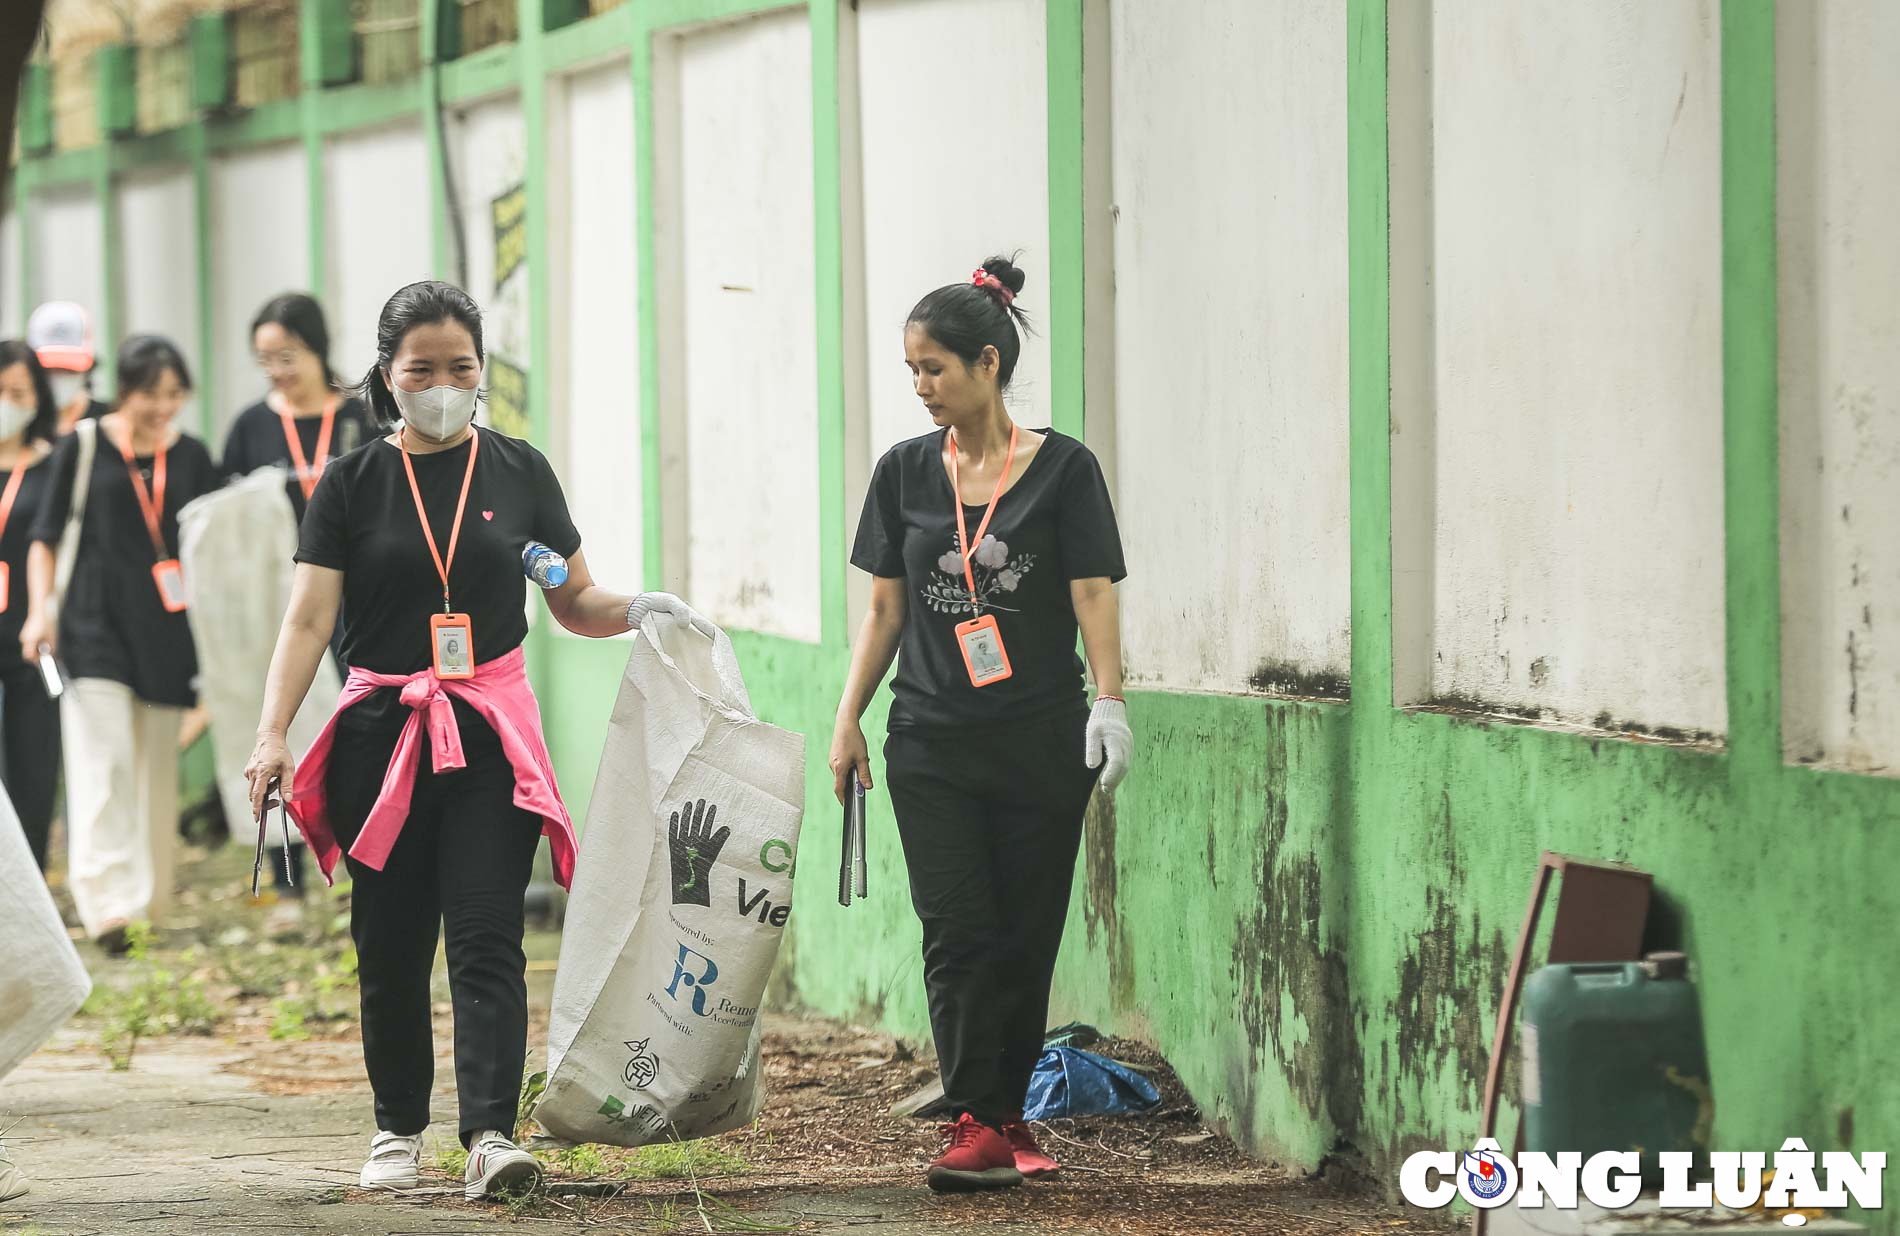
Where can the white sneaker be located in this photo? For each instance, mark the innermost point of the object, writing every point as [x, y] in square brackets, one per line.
[12, 1183]
[394, 1161]
[496, 1164]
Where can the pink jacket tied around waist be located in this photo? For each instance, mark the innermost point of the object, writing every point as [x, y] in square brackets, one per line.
[500, 693]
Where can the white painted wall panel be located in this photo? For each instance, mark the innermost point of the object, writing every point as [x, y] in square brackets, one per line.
[69, 255]
[1577, 207]
[376, 203]
[750, 376]
[598, 409]
[490, 160]
[1840, 382]
[1230, 329]
[260, 221]
[158, 240]
[952, 175]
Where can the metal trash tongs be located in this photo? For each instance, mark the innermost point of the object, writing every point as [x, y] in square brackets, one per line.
[851, 874]
[273, 797]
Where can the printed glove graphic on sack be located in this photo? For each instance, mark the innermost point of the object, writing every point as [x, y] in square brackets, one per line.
[695, 848]
[682, 890]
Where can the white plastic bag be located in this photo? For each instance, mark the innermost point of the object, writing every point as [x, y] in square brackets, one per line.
[681, 892]
[236, 546]
[42, 982]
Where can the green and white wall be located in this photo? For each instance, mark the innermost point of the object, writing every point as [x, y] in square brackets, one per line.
[1499, 395]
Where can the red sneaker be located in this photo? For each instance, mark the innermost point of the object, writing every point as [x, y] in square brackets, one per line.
[1030, 1160]
[977, 1157]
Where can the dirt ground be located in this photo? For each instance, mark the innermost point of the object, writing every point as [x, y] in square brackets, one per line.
[243, 1108]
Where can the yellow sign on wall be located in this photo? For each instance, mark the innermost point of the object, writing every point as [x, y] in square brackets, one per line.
[507, 397]
[510, 215]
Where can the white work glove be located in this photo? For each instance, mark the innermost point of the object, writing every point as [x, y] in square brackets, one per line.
[1108, 741]
[666, 603]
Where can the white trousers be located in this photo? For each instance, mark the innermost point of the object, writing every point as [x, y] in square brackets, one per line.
[121, 801]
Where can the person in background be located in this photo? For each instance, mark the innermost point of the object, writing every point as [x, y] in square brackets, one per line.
[300, 425]
[304, 421]
[122, 635]
[29, 718]
[60, 333]
[417, 538]
[989, 545]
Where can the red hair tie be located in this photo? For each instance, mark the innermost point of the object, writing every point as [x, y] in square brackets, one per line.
[984, 279]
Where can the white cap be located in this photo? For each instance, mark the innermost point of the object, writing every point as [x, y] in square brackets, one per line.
[60, 333]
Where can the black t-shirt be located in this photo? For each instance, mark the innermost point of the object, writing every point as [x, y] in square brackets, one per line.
[256, 440]
[112, 623]
[1054, 525]
[362, 522]
[15, 539]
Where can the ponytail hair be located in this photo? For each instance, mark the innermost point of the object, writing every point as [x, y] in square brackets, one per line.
[420, 304]
[982, 312]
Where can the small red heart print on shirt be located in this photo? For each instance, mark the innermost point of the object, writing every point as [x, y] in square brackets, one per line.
[489, 515]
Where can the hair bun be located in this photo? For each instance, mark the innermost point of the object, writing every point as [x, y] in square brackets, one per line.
[1006, 273]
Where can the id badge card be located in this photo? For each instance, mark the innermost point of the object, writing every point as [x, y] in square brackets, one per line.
[454, 641]
[983, 652]
[6, 585]
[170, 578]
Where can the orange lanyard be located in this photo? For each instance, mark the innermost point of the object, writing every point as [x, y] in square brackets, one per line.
[306, 475]
[963, 533]
[13, 492]
[442, 564]
[151, 502]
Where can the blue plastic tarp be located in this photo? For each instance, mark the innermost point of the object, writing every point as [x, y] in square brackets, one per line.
[1071, 1082]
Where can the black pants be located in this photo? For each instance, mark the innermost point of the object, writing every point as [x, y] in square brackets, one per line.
[461, 866]
[990, 822]
[29, 750]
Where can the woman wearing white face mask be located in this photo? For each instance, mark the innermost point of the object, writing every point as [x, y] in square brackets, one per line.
[434, 775]
[29, 718]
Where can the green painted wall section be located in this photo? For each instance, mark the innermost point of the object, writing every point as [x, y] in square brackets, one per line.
[1314, 927]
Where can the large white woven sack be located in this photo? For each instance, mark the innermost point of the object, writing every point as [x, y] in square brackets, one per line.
[681, 893]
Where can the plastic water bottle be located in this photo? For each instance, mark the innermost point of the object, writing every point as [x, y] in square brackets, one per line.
[543, 565]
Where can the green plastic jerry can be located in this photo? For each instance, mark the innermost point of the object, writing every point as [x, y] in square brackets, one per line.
[1613, 1059]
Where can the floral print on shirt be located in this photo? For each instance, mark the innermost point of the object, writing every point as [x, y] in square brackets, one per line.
[997, 576]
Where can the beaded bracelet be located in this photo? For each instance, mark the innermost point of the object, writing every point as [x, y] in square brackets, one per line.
[1118, 699]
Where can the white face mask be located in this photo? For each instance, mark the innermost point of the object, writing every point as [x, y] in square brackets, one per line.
[439, 413]
[66, 386]
[13, 418]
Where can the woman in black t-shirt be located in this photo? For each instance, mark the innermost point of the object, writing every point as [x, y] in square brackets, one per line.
[418, 537]
[993, 748]
[304, 421]
[122, 635]
[29, 718]
[302, 424]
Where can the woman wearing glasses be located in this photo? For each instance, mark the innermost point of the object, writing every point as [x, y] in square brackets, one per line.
[300, 425]
[304, 421]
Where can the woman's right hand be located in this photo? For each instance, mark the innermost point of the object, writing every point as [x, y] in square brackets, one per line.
[34, 632]
[270, 760]
[849, 751]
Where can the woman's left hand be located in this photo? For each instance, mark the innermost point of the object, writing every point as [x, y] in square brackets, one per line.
[1109, 742]
[666, 603]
